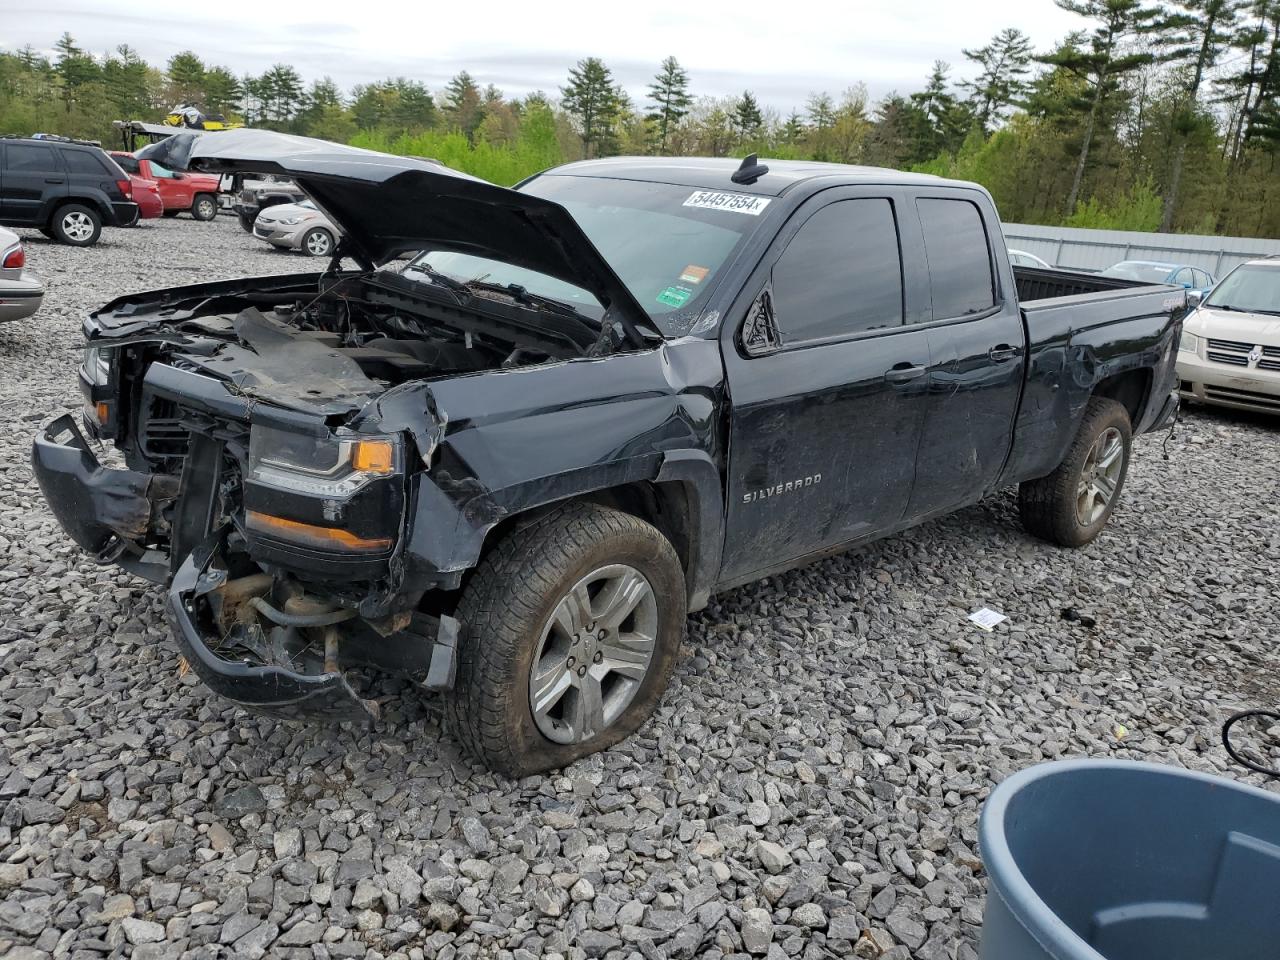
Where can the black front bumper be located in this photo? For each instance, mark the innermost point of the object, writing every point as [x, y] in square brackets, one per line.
[107, 512]
[267, 689]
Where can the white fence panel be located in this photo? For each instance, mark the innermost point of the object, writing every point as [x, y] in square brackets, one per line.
[1074, 248]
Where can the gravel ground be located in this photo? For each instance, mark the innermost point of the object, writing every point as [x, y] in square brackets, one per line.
[809, 788]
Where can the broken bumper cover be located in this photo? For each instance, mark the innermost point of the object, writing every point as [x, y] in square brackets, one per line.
[103, 510]
[266, 689]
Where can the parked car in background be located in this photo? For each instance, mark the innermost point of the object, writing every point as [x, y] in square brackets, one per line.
[512, 468]
[147, 196]
[194, 192]
[1230, 349]
[1192, 279]
[1020, 258]
[297, 226]
[67, 189]
[21, 291]
[257, 194]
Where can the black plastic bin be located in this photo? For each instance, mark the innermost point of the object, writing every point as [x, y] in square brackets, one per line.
[1090, 859]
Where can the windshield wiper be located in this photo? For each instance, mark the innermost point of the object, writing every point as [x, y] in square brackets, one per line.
[522, 296]
[456, 287]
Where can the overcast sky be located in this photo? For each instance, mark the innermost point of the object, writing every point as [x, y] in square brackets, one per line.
[780, 51]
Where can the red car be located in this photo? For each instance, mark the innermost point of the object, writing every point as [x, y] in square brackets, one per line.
[147, 196]
[196, 192]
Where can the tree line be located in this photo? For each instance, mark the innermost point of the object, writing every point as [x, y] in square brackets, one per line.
[1152, 116]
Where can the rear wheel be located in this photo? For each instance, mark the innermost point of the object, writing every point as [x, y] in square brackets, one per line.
[318, 242]
[204, 207]
[1071, 505]
[570, 628]
[76, 224]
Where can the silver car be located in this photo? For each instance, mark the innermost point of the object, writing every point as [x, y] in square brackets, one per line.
[21, 291]
[297, 226]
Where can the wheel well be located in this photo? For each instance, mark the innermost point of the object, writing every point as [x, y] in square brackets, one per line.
[1130, 389]
[89, 202]
[664, 505]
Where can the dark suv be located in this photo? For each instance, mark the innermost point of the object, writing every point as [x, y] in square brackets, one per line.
[68, 189]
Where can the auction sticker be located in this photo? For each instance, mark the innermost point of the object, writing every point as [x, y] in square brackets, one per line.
[674, 296]
[693, 274]
[733, 202]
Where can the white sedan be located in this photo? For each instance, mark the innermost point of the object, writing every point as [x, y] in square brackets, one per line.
[1230, 349]
[21, 291]
[1020, 258]
[298, 226]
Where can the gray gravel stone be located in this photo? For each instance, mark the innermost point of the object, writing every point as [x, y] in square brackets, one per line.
[757, 930]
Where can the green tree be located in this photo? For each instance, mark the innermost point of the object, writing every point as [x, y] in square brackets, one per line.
[1102, 63]
[282, 94]
[74, 69]
[463, 104]
[591, 98]
[186, 79]
[222, 91]
[126, 79]
[1004, 66]
[1195, 33]
[669, 94]
[747, 118]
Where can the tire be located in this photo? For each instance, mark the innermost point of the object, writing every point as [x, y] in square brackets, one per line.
[48, 232]
[76, 224]
[317, 242]
[1071, 505]
[246, 222]
[171, 213]
[516, 612]
[204, 207]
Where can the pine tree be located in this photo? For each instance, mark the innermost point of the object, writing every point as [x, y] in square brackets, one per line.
[747, 117]
[591, 98]
[74, 69]
[669, 94]
[1102, 63]
[186, 79]
[793, 130]
[222, 91]
[1196, 33]
[463, 104]
[1005, 63]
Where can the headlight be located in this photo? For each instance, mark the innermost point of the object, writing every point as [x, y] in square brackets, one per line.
[97, 366]
[1189, 343]
[333, 466]
[291, 220]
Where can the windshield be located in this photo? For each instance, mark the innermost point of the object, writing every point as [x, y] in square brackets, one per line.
[668, 254]
[1251, 288]
[1146, 272]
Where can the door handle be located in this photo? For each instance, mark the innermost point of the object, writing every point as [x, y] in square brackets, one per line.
[903, 373]
[54, 180]
[1002, 352]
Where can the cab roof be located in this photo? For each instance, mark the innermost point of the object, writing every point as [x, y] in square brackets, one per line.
[715, 173]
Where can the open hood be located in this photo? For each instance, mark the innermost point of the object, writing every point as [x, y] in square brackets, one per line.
[387, 205]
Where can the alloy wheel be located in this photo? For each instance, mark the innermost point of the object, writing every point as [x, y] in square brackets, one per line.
[317, 244]
[77, 225]
[593, 654]
[1100, 476]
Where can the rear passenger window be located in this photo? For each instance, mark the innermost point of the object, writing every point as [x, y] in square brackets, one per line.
[79, 161]
[127, 164]
[29, 156]
[955, 243]
[840, 274]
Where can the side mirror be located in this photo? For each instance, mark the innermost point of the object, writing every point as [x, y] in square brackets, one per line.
[1194, 297]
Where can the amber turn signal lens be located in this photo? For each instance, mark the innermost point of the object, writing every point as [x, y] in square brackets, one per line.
[311, 535]
[373, 456]
[101, 412]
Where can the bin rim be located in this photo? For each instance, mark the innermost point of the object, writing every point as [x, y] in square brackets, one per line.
[1004, 877]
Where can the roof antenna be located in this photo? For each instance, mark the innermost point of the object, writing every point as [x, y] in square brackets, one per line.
[750, 170]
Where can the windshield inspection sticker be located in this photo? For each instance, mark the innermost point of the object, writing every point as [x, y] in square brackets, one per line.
[674, 296]
[693, 274]
[734, 202]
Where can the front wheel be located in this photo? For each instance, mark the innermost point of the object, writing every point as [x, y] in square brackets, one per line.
[569, 630]
[246, 221]
[205, 207]
[1071, 505]
[318, 242]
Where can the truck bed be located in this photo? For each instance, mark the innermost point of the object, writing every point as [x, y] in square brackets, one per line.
[1036, 283]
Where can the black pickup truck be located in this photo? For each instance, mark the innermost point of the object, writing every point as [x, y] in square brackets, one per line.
[511, 465]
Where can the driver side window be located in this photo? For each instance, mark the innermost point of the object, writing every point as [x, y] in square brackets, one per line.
[160, 173]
